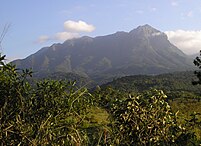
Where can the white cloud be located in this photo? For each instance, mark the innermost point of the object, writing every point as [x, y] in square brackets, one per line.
[72, 31]
[42, 39]
[62, 36]
[188, 41]
[79, 26]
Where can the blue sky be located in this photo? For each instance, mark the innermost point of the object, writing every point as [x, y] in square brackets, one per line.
[38, 23]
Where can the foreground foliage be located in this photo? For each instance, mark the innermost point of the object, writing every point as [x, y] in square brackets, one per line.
[51, 113]
[147, 119]
[58, 113]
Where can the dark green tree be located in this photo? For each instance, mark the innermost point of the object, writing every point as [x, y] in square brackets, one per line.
[197, 62]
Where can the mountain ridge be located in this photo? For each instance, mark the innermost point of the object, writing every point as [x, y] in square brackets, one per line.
[144, 50]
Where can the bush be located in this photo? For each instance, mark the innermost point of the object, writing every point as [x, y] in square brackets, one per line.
[51, 113]
[147, 119]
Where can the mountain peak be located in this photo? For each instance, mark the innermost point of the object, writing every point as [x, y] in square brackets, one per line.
[146, 26]
[146, 30]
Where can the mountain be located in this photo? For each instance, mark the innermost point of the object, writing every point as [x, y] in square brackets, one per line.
[144, 50]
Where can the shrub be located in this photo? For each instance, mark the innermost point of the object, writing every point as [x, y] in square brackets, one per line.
[51, 113]
[147, 119]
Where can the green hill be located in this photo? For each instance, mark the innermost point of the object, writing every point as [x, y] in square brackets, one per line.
[174, 84]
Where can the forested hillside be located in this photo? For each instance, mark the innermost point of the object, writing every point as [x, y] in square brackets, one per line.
[175, 85]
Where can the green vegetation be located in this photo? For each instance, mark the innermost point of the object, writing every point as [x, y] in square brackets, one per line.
[49, 114]
[57, 112]
[148, 120]
[175, 85]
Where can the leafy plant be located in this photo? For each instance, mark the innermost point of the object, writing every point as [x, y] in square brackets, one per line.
[51, 113]
[147, 119]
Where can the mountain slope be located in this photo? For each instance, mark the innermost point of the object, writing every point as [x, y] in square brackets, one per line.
[176, 83]
[143, 50]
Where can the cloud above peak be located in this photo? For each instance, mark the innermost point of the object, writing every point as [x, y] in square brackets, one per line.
[62, 36]
[79, 26]
[42, 39]
[188, 41]
[72, 29]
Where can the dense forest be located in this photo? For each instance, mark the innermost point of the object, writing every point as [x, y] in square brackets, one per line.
[129, 111]
[175, 85]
